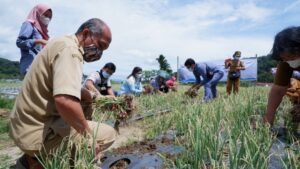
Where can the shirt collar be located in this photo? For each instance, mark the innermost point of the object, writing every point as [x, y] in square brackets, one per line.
[77, 42]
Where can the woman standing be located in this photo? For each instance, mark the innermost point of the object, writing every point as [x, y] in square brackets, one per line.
[235, 66]
[133, 84]
[33, 35]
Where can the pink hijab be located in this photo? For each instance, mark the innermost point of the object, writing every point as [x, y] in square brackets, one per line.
[33, 17]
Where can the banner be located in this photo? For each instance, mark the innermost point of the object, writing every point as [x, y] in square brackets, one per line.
[249, 74]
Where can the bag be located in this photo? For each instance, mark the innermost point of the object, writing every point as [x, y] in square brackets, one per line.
[234, 75]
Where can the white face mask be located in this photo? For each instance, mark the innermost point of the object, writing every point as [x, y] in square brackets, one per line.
[190, 69]
[45, 20]
[236, 58]
[294, 63]
[139, 75]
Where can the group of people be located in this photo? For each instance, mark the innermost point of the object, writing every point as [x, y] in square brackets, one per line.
[99, 82]
[208, 74]
[48, 108]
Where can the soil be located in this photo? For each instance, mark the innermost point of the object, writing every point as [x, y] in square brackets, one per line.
[121, 164]
[128, 134]
[145, 146]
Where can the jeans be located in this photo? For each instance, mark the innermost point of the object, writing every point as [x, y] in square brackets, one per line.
[210, 87]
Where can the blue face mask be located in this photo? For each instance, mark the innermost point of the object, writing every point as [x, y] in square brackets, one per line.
[105, 74]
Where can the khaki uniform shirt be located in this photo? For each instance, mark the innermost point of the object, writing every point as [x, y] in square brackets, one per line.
[56, 70]
[283, 74]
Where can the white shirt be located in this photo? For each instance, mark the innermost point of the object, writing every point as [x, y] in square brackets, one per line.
[96, 79]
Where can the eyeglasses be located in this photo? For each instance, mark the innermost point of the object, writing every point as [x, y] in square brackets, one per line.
[97, 43]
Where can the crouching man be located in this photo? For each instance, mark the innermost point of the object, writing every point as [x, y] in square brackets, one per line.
[48, 108]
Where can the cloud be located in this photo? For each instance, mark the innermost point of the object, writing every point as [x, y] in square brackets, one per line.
[293, 6]
[254, 13]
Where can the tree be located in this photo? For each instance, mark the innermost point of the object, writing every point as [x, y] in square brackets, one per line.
[265, 63]
[163, 64]
[9, 69]
[148, 74]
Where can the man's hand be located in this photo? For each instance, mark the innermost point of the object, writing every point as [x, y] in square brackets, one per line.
[86, 95]
[99, 97]
[193, 90]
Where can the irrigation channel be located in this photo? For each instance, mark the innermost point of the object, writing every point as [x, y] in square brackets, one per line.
[146, 154]
[143, 154]
[279, 147]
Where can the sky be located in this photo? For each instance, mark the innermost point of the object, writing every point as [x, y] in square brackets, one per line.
[204, 30]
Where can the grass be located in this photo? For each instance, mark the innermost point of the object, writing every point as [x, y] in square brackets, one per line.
[9, 84]
[6, 105]
[217, 134]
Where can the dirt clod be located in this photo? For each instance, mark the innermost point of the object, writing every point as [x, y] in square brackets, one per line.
[121, 164]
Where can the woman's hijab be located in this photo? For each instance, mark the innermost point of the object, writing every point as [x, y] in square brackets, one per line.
[34, 18]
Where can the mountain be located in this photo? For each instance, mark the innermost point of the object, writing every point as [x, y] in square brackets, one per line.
[9, 69]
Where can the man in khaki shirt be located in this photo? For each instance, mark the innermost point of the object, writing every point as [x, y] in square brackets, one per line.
[48, 109]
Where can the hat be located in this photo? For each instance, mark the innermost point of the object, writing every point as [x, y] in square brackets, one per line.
[237, 53]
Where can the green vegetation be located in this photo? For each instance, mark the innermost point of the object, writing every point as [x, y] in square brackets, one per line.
[9, 69]
[6, 103]
[163, 64]
[148, 74]
[218, 134]
[3, 125]
[10, 83]
[264, 65]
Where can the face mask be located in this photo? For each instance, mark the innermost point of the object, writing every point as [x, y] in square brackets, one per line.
[105, 74]
[294, 63]
[236, 58]
[139, 75]
[190, 69]
[45, 20]
[91, 53]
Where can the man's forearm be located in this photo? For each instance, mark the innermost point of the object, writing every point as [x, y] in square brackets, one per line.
[91, 87]
[71, 111]
[110, 92]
